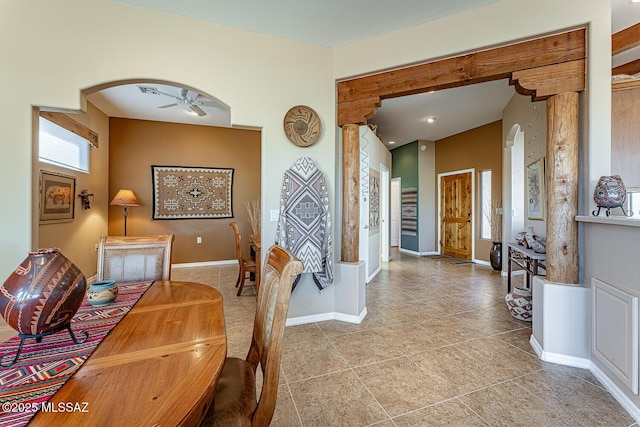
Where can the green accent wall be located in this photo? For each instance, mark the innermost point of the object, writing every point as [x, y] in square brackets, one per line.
[404, 165]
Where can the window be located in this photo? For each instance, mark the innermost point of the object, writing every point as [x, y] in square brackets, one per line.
[61, 147]
[485, 204]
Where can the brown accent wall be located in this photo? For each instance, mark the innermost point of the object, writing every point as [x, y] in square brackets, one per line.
[481, 149]
[135, 145]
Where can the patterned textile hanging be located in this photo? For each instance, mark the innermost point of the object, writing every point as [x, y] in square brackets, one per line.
[304, 226]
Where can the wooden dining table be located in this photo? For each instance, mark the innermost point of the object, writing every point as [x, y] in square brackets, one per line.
[158, 367]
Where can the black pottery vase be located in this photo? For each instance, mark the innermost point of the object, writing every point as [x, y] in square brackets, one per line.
[496, 256]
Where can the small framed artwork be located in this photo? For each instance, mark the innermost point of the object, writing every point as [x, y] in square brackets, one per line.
[535, 190]
[57, 197]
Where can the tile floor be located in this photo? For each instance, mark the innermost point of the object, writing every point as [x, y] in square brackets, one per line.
[438, 347]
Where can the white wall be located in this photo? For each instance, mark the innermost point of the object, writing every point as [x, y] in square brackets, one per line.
[532, 118]
[378, 154]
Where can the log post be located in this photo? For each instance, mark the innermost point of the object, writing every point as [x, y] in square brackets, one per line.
[562, 188]
[350, 193]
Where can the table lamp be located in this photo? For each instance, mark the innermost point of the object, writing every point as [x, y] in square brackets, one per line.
[125, 198]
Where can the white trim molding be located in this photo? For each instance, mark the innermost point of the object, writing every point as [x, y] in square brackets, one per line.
[303, 320]
[205, 263]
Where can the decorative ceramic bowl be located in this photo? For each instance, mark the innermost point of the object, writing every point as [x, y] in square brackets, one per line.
[519, 303]
[43, 294]
[102, 292]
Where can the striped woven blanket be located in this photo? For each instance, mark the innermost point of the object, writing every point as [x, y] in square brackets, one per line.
[44, 367]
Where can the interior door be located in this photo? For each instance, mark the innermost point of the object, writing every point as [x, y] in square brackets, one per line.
[456, 215]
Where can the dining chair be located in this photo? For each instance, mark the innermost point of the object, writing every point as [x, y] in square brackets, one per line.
[234, 401]
[247, 265]
[129, 258]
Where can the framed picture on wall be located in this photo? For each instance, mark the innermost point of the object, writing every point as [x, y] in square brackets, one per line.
[57, 197]
[535, 190]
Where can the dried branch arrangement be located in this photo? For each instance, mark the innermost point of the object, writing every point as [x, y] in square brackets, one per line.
[253, 209]
[496, 221]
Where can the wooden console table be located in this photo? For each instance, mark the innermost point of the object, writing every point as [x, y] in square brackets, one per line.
[528, 259]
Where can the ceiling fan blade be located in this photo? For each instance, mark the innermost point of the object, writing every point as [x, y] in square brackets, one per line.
[199, 111]
[209, 104]
[168, 105]
[192, 95]
[169, 95]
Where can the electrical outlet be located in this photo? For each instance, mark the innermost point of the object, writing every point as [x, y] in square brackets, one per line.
[274, 214]
[198, 239]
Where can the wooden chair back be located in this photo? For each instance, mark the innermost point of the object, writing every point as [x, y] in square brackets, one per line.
[135, 258]
[279, 271]
[236, 232]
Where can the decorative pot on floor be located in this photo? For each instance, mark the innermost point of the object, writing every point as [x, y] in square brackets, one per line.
[495, 256]
[519, 303]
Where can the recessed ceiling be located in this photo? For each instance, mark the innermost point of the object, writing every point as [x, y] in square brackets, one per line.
[404, 119]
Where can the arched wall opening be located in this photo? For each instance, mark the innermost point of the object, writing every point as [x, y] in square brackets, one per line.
[128, 146]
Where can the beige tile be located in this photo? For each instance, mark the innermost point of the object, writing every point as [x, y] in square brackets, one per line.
[410, 338]
[450, 413]
[364, 347]
[491, 320]
[298, 333]
[285, 414]
[503, 360]
[451, 329]
[519, 338]
[458, 371]
[400, 386]
[308, 359]
[586, 403]
[508, 405]
[338, 399]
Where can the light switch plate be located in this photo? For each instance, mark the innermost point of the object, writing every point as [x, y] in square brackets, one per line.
[274, 214]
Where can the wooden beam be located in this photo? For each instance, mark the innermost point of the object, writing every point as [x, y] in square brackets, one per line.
[625, 39]
[629, 68]
[350, 193]
[543, 82]
[487, 65]
[63, 120]
[562, 188]
[357, 112]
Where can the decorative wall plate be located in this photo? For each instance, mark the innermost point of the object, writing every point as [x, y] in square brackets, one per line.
[302, 125]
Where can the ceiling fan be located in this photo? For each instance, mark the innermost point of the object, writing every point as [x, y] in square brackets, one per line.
[186, 97]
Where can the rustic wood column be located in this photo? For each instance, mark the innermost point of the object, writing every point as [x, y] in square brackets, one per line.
[562, 188]
[350, 193]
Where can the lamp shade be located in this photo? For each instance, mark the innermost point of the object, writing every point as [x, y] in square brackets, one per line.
[125, 198]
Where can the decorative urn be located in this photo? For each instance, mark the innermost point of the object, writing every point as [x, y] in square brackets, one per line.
[609, 193]
[43, 294]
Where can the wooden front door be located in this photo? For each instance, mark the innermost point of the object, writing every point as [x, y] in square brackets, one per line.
[456, 215]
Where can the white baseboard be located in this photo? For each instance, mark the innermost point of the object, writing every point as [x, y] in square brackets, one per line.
[615, 391]
[482, 262]
[416, 253]
[321, 317]
[374, 274]
[561, 359]
[205, 263]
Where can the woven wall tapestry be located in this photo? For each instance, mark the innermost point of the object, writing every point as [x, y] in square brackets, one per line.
[191, 192]
[409, 211]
